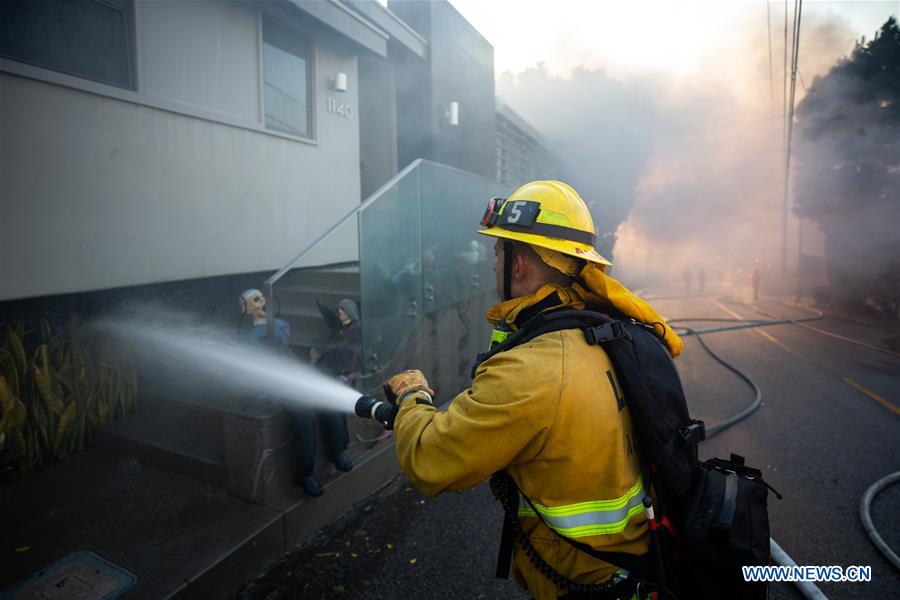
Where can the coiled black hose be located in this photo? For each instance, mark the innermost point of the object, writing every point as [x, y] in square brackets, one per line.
[721, 426]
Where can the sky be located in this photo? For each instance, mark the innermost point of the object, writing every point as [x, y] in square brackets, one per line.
[564, 34]
[669, 118]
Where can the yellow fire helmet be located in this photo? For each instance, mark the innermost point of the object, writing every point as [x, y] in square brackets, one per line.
[545, 214]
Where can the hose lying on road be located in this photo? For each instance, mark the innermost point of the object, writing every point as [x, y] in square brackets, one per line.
[831, 334]
[864, 513]
[721, 426]
[809, 591]
[757, 401]
[874, 489]
[865, 502]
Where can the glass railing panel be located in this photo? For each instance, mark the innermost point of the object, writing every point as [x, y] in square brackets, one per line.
[304, 299]
[307, 296]
[456, 261]
[310, 299]
[390, 266]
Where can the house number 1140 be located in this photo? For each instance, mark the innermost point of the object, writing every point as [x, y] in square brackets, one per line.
[338, 108]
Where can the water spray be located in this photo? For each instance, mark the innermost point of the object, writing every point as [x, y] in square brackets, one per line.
[161, 339]
[368, 407]
[165, 337]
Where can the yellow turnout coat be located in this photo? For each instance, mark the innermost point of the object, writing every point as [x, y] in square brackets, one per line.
[550, 412]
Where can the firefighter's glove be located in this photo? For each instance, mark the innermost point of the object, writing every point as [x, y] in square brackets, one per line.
[406, 384]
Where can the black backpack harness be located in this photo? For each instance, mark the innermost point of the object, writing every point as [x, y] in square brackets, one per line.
[716, 510]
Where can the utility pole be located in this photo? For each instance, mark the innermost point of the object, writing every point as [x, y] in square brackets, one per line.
[798, 7]
[771, 77]
[784, 85]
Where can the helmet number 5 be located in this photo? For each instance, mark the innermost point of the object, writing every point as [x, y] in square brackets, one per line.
[516, 212]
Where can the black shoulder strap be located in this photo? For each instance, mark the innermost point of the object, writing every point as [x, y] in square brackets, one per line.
[598, 328]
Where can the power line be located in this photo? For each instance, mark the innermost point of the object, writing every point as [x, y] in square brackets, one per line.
[771, 79]
[795, 52]
[784, 87]
[784, 79]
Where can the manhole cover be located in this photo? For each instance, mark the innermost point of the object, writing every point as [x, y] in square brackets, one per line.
[82, 575]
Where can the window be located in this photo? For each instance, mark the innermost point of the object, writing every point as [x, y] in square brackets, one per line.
[87, 38]
[286, 76]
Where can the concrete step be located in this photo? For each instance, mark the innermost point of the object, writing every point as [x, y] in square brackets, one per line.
[307, 328]
[345, 277]
[343, 285]
[176, 436]
[311, 338]
[305, 298]
[304, 311]
[297, 294]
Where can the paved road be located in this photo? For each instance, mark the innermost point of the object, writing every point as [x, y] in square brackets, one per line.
[829, 427]
[820, 441]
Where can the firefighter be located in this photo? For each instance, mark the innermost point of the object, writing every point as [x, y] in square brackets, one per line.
[547, 413]
[754, 280]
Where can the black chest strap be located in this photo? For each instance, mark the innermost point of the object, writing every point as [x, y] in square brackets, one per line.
[598, 328]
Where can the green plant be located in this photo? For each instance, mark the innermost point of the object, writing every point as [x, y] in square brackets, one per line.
[54, 389]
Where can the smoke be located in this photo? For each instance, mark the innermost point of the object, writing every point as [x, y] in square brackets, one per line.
[687, 170]
[603, 126]
[848, 155]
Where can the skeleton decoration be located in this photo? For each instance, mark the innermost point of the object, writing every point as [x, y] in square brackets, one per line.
[253, 303]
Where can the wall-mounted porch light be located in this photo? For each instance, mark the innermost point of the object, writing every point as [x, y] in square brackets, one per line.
[453, 113]
[339, 83]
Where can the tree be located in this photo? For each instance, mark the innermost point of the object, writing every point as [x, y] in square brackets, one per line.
[848, 169]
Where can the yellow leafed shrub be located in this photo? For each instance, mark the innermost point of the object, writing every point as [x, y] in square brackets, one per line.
[54, 390]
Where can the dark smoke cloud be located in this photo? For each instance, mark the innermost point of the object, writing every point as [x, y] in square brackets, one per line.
[848, 157]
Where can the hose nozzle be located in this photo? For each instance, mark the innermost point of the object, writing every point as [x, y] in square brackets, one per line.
[368, 407]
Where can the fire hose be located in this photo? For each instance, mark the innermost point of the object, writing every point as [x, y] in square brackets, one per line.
[781, 557]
